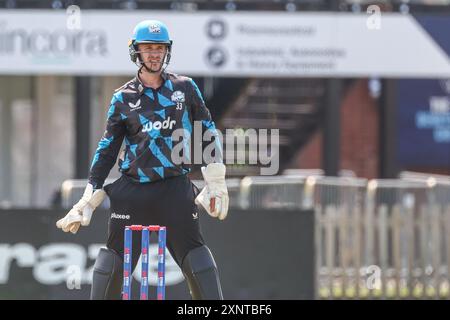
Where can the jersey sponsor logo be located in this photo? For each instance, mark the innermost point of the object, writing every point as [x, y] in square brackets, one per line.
[158, 125]
[120, 216]
[135, 106]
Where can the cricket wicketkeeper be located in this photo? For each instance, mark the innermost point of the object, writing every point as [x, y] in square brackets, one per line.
[153, 189]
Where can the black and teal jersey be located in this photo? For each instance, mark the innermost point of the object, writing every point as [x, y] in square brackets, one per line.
[146, 118]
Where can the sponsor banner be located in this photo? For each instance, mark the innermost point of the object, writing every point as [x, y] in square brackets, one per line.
[39, 261]
[224, 44]
[261, 254]
[423, 123]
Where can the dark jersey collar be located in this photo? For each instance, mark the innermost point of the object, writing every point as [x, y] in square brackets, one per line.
[140, 87]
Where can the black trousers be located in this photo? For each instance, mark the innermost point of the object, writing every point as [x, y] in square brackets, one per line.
[168, 202]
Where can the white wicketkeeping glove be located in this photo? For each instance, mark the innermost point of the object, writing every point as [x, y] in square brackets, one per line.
[81, 213]
[214, 196]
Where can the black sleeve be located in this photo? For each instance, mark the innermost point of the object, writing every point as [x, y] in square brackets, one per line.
[108, 147]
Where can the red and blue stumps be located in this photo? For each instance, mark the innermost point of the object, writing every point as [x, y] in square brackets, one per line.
[127, 264]
[127, 261]
[144, 263]
[160, 290]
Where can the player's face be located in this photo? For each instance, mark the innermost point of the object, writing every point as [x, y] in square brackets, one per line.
[152, 55]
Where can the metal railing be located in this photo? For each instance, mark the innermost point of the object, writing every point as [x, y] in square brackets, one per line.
[272, 192]
[72, 191]
[377, 239]
[394, 245]
[338, 203]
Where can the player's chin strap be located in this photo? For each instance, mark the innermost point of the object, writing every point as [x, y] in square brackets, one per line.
[163, 66]
[143, 65]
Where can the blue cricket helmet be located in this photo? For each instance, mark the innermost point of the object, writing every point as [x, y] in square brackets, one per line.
[149, 31]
